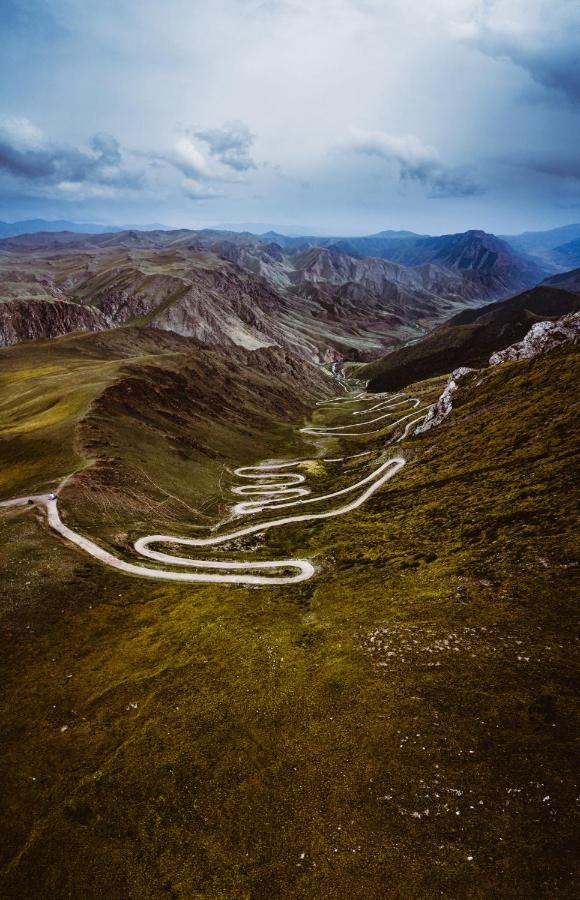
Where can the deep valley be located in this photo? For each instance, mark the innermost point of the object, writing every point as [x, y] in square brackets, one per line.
[385, 703]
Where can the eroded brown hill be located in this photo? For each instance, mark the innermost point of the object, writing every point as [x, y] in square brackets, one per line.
[229, 290]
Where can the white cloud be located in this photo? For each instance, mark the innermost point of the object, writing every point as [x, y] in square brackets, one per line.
[190, 159]
[414, 161]
[79, 190]
[287, 77]
[21, 133]
[542, 37]
[196, 190]
[230, 144]
[224, 161]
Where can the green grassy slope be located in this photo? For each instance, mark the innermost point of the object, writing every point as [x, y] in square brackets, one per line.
[401, 725]
[132, 398]
[165, 437]
[468, 339]
[45, 389]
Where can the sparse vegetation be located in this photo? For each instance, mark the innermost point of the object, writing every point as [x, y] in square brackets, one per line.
[400, 725]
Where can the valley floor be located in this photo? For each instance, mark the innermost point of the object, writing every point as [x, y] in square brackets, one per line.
[399, 725]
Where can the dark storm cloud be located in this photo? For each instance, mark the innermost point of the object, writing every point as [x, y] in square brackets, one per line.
[25, 162]
[567, 167]
[541, 37]
[26, 155]
[46, 169]
[415, 162]
[230, 144]
[107, 148]
[442, 181]
[554, 66]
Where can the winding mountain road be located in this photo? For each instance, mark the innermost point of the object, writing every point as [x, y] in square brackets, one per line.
[272, 488]
[345, 430]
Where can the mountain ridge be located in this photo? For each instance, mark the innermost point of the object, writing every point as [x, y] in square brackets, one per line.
[241, 289]
[469, 338]
[544, 245]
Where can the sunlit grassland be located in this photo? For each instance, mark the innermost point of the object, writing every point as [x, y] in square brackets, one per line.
[46, 387]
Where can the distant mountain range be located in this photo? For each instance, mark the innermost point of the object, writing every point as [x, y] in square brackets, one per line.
[553, 251]
[567, 255]
[35, 226]
[558, 248]
[260, 228]
[325, 300]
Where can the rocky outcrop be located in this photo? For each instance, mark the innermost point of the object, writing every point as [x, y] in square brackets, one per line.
[441, 409]
[34, 319]
[469, 338]
[541, 338]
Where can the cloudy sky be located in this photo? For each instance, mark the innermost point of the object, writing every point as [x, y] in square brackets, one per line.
[340, 116]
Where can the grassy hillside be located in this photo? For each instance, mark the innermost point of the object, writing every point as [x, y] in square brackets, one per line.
[46, 387]
[400, 725]
[468, 339]
[147, 415]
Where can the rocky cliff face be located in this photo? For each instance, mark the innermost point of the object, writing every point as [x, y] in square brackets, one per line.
[444, 405]
[34, 319]
[541, 338]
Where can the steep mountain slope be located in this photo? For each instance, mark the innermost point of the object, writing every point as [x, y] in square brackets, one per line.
[567, 255]
[320, 303]
[191, 292]
[469, 338]
[405, 719]
[104, 402]
[424, 294]
[485, 266]
[27, 320]
[333, 267]
[488, 261]
[542, 244]
[481, 257]
[567, 281]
